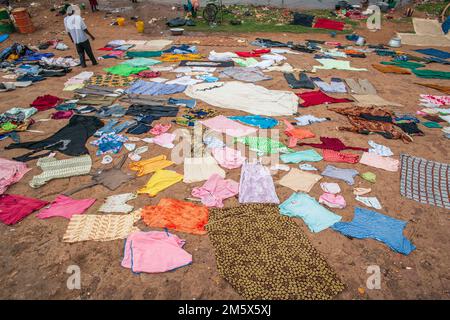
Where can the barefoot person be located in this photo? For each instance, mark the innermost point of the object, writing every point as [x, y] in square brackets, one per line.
[77, 30]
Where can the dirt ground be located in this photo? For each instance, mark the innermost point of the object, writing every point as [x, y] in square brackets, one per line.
[34, 260]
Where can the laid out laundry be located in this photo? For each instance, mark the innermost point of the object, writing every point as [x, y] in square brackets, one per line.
[369, 176]
[280, 167]
[253, 53]
[263, 145]
[110, 80]
[285, 68]
[211, 64]
[374, 225]
[336, 156]
[215, 190]
[45, 102]
[244, 74]
[336, 85]
[65, 207]
[361, 86]
[140, 62]
[331, 200]
[361, 191]
[154, 252]
[227, 157]
[200, 169]
[160, 180]
[304, 82]
[124, 70]
[309, 119]
[390, 69]
[256, 185]
[154, 88]
[380, 162]
[379, 149]
[177, 57]
[434, 52]
[307, 167]
[227, 126]
[331, 144]
[324, 23]
[57, 169]
[109, 143]
[329, 64]
[347, 175]
[428, 100]
[316, 217]
[117, 203]
[428, 32]
[424, 181]
[246, 97]
[10, 173]
[136, 154]
[296, 134]
[330, 187]
[184, 81]
[313, 98]
[439, 87]
[298, 180]
[257, 121]
[151, 165]
[300, 156]
[373, 100]
[182, 216]
[370, 202]
[104, 227]
[188, 103]
[14, 208]
[221, 56]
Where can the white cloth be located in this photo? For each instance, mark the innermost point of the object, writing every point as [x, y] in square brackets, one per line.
[184, 81]
[221, 56]
[246, 97]
[308, 119]
[75, 25]
[370, 202]
[379, 149]
[330, 187]
[116, 203]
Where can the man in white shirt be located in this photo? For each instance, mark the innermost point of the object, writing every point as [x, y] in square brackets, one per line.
[77, 30]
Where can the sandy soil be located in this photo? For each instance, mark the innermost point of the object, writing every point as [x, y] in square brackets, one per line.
[34, 260]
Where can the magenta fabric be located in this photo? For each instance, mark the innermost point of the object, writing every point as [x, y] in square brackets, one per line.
[160, 128]
[14, 208]
[45, 102]
[11, 172]
[65, 207]
[313, 98]
[215, 190]
[62, 114]
[154, 252]
[324, 23]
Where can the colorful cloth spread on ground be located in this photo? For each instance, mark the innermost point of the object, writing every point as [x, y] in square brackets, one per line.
[11, 172]
[162, 179]
[313, 98]
[425, 181]
[298, 180]
[14, 208]
[256, 185]
[110, 80]
[248, 242]
[227, 126]
[177, 215]
[324, 23]
[299, 156]
[65, 207]
[263, 145]
[200, 169]
[257, 121]
[154, 252]
[117, 203]
[144, 167]
[215, 190]
[374, 225]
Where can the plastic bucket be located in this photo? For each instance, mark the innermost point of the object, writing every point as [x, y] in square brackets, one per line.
[140, 26]
[23, 20]
[120, 21]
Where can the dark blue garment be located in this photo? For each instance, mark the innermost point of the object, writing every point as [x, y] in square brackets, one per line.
[139, 128]
[374, 225]
[435, 53]
[181, 49]
[36, 56]
[257, 121]
[437, 60]
[28, 77]
[446, 25]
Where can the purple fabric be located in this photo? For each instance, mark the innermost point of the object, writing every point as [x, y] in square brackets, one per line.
[256, 185]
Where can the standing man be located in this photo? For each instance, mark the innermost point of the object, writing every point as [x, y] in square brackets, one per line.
[77, 30]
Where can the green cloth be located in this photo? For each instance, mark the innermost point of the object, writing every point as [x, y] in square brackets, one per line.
[369, 176]
[431, 124]
[431, 74]
[263, 145]
[404, 64]
[8, 126]
[248, 62]
[144, 54]
[125, 70]
[141, 62]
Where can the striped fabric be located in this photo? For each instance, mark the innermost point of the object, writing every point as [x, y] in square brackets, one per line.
[425, 181]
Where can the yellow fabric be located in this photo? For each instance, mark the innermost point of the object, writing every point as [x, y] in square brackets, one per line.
[144, 167]
[169, 57]
[162, 179]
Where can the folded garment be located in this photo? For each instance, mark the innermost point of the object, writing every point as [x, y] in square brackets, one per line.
[263, 145]
[228, 158]
[330, 187]
[361, 86]
[151, 165]
[380, 162]
[332, 200]
[215, 190]
[369, 176]
[154, 88]
[200, 169]
[296, 134]
[245, 74]
[369, 201]
[309, 119]
[331, 144]
[324, 23]
[45, 102]
[124, 70]
[329, 64]
[379, 149]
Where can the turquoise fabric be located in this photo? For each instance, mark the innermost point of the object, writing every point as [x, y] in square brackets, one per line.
[316, 217]
[257, 121]
[299, 156]
[141, 62]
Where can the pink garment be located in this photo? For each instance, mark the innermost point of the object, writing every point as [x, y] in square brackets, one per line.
[380, 162]
[11, 172]
[215, 190]
[230, 127]
[154, 251]
[66, 207]
[333, 200]
[14, 208]
[164, 140]
[160, 128]
[228, 158]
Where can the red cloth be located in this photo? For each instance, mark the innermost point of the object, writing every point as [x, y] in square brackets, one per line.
[331, 144]
[106, 49]
[313, 98]
[252, 54]
[14, 208]
[147, 74]
[62, 114]
[336, 156]
[46, 102]
[324, 23]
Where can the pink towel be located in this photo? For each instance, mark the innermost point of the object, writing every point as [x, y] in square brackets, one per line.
[154, 251]
[215, 190]
[230, 127]
[380, 162]
[65, 207]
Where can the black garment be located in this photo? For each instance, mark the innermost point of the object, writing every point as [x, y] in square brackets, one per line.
[269, 43]
[176, 22]
[69, 140]
[305, 82]
[142, 110]
[303, 48]
[302, 19]
[85, 47]
[370, 117]
[410, 128]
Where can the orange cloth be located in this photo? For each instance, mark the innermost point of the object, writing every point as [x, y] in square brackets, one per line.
[295, 134]
[177, 215]
[144, 167]
[445, 89]
[391, 69]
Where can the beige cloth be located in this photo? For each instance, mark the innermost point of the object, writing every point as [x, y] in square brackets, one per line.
[428, 33]
[106, 227]
[299, 180]
[200, 169]
[150, 45]
[373, 100]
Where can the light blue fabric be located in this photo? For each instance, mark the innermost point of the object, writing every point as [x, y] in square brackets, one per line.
[141, 62]
[374, 225]
[343, 174]
[299, 156]
[316, 217]
[257, 121]
[189, 103]
[307, 167]
[154, 88]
